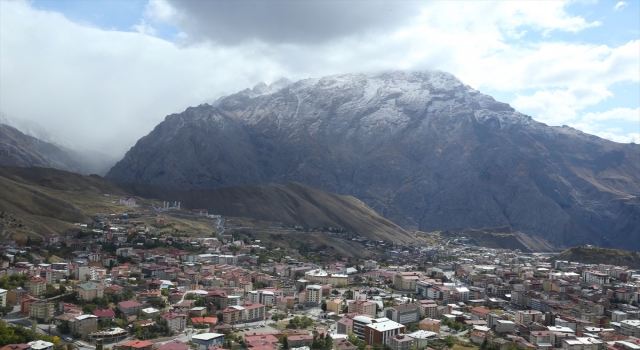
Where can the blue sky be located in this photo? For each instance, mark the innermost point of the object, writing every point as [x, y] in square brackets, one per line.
[101, 64]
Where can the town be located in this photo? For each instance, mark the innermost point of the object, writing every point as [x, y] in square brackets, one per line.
[124, 281]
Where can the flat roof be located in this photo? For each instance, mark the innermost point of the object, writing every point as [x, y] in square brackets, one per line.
[207, 336]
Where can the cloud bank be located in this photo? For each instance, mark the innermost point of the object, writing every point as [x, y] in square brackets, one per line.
[105, 88]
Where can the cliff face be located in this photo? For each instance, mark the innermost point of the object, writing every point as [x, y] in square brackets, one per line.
[422, 149]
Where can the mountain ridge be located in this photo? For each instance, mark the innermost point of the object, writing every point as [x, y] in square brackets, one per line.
[51, 198]
[422, 149]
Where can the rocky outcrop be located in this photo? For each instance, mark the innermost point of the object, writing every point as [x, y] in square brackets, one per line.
[422, 149]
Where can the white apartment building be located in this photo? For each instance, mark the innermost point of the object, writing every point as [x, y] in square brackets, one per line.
[595, 277]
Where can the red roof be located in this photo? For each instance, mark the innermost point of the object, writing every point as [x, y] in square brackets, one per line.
[104, 313]
[137, 344]
[128, 304]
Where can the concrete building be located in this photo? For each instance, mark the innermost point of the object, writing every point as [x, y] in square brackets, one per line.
[313, 295]
[400, 342]
[41, 310]
[406, 280]
[359, 325]
[175, 322]
[380, 330]
[83, 325]
[505, 326]
[323, 277]
[3, 297]
[36, 286]
[630, 328]
[403, 314]
[335, 305]
[595, 277]
[525, 317]
[364, 307]
[430, 325]
[205, 340]
[90, 290]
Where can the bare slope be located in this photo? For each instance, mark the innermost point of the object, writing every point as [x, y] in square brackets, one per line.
[596, 255]
[506, 238]
[422, 149]
[41, 195]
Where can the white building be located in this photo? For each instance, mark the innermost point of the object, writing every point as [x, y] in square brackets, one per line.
[3, 297]
[595, 277]
[630, 328]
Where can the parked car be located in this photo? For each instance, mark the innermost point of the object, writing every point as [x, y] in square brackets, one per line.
[68, 339]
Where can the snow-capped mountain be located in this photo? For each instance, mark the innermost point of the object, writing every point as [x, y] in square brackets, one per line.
[422, 149]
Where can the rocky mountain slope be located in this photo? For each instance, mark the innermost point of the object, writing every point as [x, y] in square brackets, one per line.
[18, 149]
[48, 200]
[31, 144]
[422, 149]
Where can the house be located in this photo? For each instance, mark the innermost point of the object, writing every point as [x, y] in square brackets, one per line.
[128, 201]
[104, 315]
[129, 307]
[299, 340]
[16, 347]
[175, 322]
[89, 291]
[480, 312]
[199, 212]
[174, 345]
[137, 345]
[40, 345]
[50, 239]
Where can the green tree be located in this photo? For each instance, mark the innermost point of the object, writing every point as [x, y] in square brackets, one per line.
[285, 343]
[449, 341]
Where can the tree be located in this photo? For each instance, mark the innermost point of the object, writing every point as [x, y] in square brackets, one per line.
[285, 343]
[483, 346]
[449, 341]
[323, 306]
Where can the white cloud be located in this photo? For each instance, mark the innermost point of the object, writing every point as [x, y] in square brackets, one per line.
[619, 6]
[613, 134]
[144, 28]
[556, 107]
[106, 88]
[624, 114]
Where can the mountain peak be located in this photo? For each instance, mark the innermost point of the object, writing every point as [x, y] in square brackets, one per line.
[421, 148]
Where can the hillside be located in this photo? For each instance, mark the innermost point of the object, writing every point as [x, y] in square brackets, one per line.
[19, 149]
[49, 200]
[596, 255]
[503, 238]
[422, 149]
